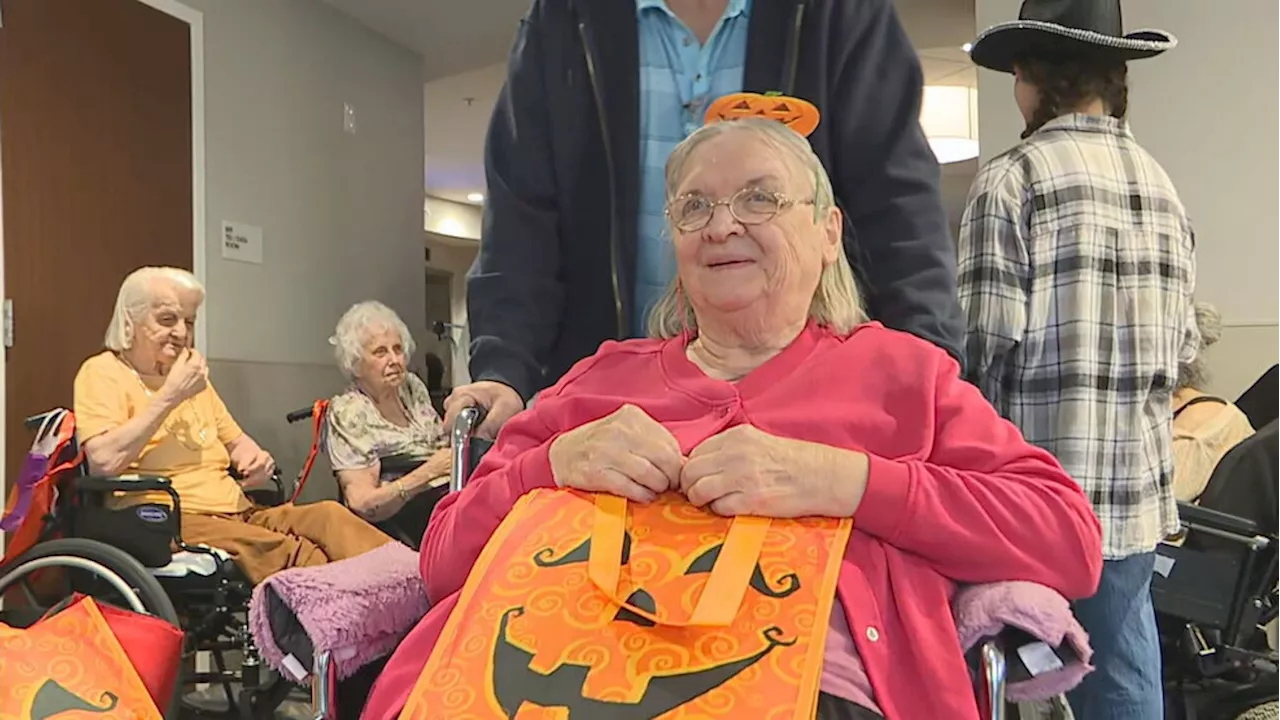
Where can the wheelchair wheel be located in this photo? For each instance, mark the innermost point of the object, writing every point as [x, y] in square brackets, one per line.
[125, 577]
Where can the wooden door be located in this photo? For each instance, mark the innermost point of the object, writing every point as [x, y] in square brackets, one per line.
[95, 145]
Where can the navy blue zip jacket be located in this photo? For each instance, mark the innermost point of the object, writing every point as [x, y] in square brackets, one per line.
[555, 273]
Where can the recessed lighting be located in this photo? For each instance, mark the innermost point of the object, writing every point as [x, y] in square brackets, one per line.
[966, 47]
[475, 197]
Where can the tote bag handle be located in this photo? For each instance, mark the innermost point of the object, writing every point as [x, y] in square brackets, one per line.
[725, 587]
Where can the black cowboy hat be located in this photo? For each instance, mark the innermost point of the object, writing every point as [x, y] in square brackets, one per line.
[1065, 27]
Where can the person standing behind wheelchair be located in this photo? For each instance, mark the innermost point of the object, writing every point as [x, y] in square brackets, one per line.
[574, 249]
[1077, 271]
[145, 406]
[385, 412]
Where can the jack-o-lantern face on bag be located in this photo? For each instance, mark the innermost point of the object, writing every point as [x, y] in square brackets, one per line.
[538, 637]
[799, 115]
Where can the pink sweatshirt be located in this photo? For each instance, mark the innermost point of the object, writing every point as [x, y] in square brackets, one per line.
[954, 494]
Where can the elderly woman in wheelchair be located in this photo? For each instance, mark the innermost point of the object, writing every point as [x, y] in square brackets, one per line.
[386, 443]
[146, 407]
[763, 511]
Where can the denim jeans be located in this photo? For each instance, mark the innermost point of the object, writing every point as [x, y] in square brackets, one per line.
[1126, 683]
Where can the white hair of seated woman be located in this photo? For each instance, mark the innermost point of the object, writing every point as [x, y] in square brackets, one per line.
[135, 297]
[836, 302]
[354, 328]
[1195, 374]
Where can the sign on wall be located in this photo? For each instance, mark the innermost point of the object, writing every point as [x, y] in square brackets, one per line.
[241, 242]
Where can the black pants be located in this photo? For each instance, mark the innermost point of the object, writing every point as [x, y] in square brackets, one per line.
[354, 691]
[831, 707]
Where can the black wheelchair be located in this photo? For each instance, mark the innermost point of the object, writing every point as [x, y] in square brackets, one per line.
[407, 525]
[991, 667]
[1214, 591]
[134, 557]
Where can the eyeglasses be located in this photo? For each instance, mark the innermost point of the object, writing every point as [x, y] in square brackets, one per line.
[749, 206]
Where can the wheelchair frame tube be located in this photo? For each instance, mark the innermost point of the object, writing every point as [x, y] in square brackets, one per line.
[463, 428]
[324, 685]
[994, 671]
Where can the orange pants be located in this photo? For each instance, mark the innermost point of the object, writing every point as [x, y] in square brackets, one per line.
[263, 541]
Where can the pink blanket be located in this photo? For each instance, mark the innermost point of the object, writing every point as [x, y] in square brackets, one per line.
[357, 609]
[987, 610]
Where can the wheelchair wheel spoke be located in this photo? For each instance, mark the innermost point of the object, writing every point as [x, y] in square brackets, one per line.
[30, 595]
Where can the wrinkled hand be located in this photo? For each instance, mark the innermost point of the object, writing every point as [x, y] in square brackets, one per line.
[440, 463]
[626, 453]
[500, 403]
[187, 378]
[746, 471]
[255, 467]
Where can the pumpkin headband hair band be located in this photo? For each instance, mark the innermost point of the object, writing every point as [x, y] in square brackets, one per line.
[799, 115]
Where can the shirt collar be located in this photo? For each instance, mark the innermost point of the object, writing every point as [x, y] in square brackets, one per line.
[1083, 122]
[734, 9]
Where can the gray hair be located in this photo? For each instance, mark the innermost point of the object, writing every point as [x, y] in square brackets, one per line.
[356, 325]
[836, 302]
[134, 299]
[1195, 374]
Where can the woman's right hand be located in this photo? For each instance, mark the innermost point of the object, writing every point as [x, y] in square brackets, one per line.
[187, 378]
[626, 453]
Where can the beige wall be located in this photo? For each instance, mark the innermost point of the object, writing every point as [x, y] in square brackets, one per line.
[341, 213]
[1208, 111]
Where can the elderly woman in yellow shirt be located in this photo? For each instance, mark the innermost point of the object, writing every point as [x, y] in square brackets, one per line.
[1205, 427]
[146, 406]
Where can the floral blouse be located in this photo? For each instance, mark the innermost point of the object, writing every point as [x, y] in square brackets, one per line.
[359, 436]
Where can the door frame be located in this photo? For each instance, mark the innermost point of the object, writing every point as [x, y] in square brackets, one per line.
[195, 20]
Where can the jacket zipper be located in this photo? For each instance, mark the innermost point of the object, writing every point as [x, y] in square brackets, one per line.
[793, 49]
[614, 250]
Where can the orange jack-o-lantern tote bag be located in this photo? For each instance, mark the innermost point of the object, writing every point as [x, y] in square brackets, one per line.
[70, 664]
[586, 607]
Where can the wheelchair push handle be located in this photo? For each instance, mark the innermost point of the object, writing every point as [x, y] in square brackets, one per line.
[300, 414]
[464, 429]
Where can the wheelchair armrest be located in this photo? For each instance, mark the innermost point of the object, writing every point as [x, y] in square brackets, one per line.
[395, 466]
[106, 483]
[269, 495]
[1218, 523]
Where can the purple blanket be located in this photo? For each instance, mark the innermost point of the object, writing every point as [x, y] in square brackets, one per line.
[356, 609]
[985, 610]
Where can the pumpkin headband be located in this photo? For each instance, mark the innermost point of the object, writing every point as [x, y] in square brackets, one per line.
[799, 115]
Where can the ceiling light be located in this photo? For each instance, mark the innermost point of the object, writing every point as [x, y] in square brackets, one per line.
[949, 118]
[966, 47]
[475, 197]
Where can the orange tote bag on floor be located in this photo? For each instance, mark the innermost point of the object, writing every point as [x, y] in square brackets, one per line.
[71, 664]
[590, 608]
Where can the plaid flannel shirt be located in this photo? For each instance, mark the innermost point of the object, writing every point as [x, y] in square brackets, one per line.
[1076, 272]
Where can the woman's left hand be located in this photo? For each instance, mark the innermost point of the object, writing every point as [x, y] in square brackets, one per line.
[255, 467]
[746, 471]
[440, 463]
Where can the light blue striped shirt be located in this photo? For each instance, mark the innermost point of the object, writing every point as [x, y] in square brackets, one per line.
[678, 78]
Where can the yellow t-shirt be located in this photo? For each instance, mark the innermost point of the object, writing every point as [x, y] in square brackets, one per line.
[190, 446]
